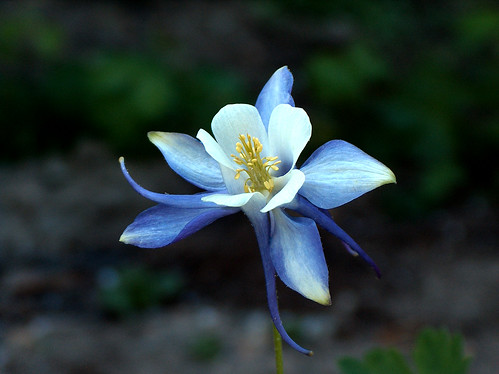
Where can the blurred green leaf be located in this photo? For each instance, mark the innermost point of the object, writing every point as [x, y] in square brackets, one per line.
[135, 289]
[350, 365]
[479, 27]
[203, 91]
[439, 352]
[205, 347]
[439, 180]
[386, 361]
[30, 35]
[345, 76]
[123, 93]
[376, 361]
[436, 352]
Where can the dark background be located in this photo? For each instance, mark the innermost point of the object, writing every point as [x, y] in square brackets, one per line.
[412, 83]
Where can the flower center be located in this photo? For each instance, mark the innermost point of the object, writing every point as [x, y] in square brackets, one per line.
[257, 168]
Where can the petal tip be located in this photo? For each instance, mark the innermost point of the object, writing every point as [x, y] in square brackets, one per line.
[392, 177]
[386, 176]
[156, 136]
[123, 239]
[320, 296]
[326, 300]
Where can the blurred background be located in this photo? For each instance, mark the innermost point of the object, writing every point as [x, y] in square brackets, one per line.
[412, 83]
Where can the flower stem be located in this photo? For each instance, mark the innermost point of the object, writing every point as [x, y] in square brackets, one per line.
[278, 351]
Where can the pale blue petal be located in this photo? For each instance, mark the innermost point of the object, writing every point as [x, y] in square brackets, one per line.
[339, 172]
[234, 120]
[288, 186]
[323, 218]
[261, 225]
[276, 91]
[189, 159]
[162, 225]
[183, 201]
[229, 200]
[296, 252]
[214, 150]
[289, 131]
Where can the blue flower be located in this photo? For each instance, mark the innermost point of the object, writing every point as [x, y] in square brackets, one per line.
[250, 165]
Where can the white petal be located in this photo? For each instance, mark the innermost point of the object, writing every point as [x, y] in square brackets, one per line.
[233, 186]
[214, 150]
[229, 200]
[234, 120]
[288, 186]
[289, 132]
[252, 210]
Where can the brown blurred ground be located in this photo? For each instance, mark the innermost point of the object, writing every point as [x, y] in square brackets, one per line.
[61, 218]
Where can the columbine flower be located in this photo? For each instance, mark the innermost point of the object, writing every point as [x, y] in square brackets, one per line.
[250, 166]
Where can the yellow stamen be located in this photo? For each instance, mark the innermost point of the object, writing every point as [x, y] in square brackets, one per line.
[257, 168]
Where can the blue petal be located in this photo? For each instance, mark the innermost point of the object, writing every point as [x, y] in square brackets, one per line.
[183, 201]
[162, 225]
[338, 172]
[188, 158]
[323, 218]
[261, 225]
[276, 91]
[296, 252]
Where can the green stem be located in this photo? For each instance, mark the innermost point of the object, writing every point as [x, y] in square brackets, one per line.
[278, 351]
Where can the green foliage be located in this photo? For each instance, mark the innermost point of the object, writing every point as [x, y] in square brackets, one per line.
[201, 93]
[115, 97]
[345, 76]
[423, 102]
[414, 85]
[136, 289]
[377, 361]
[28, 36]
[436, 352]
[122, 94]
[205, 347]
[479, 27]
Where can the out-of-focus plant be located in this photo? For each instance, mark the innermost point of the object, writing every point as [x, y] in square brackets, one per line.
[436, 352]
[117, 96]
[135, 289]
[430, 96]
[29, 43]
[346, 76]
[419, 78]
[205, 347]
[52, 94]
[28, 36]
[122, 93]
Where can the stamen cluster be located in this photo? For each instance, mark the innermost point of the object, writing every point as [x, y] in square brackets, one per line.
[257, 168]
